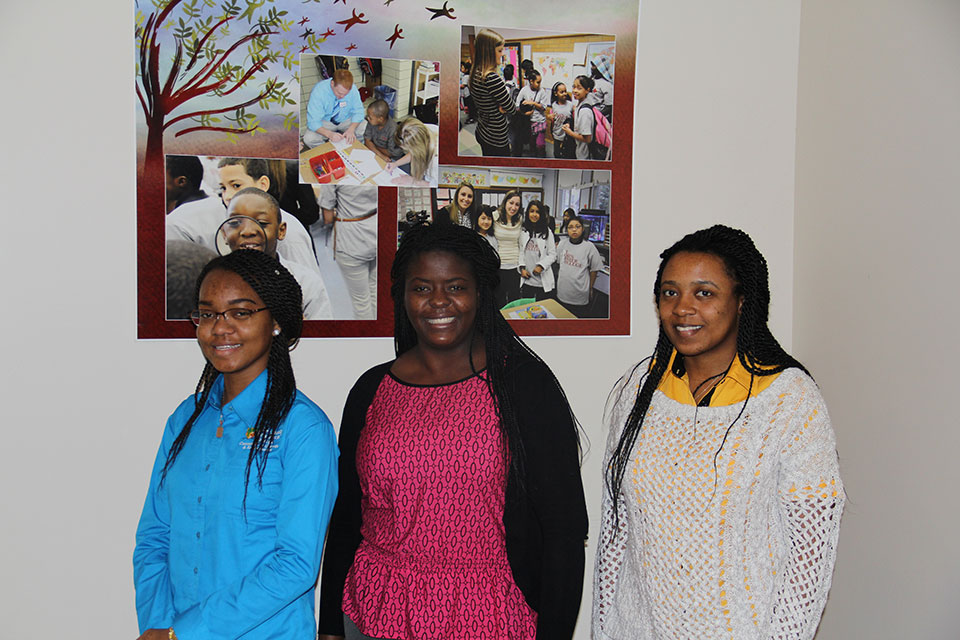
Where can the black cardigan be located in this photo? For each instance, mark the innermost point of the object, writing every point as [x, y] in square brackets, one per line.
[545, 523]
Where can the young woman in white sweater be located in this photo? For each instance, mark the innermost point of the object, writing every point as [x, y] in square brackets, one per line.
[722, 498]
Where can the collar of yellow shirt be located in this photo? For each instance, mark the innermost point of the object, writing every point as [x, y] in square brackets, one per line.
[732, 389]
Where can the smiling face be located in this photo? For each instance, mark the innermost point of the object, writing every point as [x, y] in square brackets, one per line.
[699, 309]
[264, 234]
[440, 296]
[533, 213]
[239, 349]
[234, 177]
[484, 222]
[578, 91]
[464, 198]
[512, 206]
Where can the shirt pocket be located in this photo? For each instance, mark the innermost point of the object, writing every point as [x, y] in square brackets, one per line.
[262, 500]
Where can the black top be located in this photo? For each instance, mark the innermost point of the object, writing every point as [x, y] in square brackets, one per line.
[545, 521]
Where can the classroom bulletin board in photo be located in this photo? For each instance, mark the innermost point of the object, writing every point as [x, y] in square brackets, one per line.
[223, 87]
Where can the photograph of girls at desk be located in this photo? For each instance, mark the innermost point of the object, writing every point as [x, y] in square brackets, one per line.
[549, 227]
[369, 121]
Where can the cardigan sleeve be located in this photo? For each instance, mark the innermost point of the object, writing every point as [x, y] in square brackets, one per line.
[344, 536]
[811, 499]
[555, 490]
[612, 541]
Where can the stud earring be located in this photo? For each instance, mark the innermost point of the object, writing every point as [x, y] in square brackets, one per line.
[276, 332]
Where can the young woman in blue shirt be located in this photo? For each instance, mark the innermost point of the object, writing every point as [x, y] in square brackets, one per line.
[231, 535]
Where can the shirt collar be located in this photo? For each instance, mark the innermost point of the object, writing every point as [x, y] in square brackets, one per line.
[732, 388]
[246, 404]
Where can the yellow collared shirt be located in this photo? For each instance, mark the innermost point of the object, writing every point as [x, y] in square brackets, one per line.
[732, 388]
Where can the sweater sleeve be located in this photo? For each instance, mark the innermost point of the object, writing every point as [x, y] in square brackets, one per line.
[811, 499]
[555, 489]
[550, 252]
[344, 536]
[612, 542]
[498, 91]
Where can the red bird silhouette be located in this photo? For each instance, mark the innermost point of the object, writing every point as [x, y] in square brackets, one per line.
[396, 35]
[304, 21]
[349, 22]
[444, 12]
[327, 33]
[351, 47]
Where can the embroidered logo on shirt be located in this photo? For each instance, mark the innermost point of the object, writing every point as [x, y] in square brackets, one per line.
[247, 442]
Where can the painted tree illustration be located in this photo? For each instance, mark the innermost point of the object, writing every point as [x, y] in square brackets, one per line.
[207, 60]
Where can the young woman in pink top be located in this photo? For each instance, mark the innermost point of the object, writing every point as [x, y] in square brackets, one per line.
[461, 512]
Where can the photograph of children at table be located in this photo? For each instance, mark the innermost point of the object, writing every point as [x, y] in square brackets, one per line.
[551, 266]
[369, 121]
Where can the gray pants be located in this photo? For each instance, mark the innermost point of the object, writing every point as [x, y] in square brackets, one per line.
[313, 139]
[352, 633]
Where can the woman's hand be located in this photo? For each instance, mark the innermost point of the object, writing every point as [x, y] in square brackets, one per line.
[155, 634]
[336, 136]
[566, 128]
[537, 270]
[524, 273]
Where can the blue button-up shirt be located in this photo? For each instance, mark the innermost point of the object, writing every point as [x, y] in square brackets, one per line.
[207, 568]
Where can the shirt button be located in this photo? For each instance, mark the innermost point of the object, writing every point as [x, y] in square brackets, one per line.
[198, 535]
[199, 499]
[206, 468]
[195, 570]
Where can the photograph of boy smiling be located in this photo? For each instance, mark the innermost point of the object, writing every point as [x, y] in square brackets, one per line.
[254, 222]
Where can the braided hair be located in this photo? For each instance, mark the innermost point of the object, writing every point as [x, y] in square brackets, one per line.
[502, 345]
[281, 294]
[757, 349]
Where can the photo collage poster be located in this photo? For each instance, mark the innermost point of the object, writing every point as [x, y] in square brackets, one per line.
[226, 94]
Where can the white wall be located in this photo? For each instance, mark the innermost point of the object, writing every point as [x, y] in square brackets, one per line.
[84, 401]
[877, 222]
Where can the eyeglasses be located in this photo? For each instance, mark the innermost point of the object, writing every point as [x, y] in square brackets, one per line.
[203, 317]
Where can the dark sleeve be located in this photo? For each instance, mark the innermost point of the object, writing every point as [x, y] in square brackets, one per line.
[555, 494]
[497, 89]
[344, 533]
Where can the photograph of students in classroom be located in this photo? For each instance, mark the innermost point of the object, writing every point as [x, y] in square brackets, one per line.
[536, 94]
[369, 121]
[550, 228]
[324, 235]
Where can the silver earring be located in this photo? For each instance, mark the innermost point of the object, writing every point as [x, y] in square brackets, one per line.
[276, 332]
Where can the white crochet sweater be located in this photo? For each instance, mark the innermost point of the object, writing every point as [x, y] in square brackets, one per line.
[742, 549]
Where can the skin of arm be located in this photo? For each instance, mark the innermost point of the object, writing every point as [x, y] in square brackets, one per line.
[576, 136]
[593, 279]
[328, 216]
[350, 134]
[381, 153]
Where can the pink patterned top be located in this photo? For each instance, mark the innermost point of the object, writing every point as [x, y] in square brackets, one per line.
[433, 560]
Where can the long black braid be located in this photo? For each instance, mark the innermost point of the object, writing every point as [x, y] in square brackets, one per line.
[281, 294]
[501, 343]
[757, 349]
